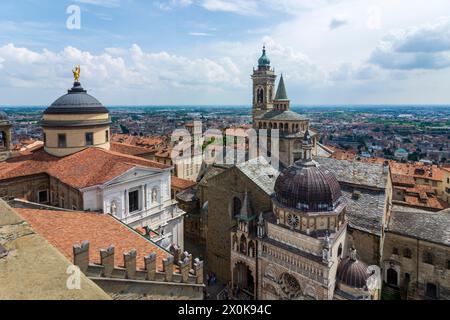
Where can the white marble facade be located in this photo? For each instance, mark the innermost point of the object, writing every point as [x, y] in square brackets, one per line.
[140, 198]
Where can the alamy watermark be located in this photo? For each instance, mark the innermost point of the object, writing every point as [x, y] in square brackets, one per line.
[73, 22]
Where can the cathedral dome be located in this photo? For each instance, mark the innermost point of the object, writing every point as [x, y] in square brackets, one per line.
[353, 273]
[264, 61]
[76, 101]
[309, 187]
[74, 122]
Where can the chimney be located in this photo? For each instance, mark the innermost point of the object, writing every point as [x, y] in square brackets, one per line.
[107, 261]
[168, 268]
[81, 256]
[150, 266]
[198, 268]
[129, 259]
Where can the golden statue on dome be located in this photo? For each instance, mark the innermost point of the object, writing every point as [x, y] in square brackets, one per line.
[76, 73]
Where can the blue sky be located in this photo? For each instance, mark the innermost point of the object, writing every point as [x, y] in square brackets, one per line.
[202, 51]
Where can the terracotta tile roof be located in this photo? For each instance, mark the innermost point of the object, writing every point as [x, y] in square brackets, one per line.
[424, 200]
[66, 229]
[89, 167]
[343, 155]
[182, 183]
[129, 149]
[146, 142]
[417, 170]
[164, 153]
[402, 179]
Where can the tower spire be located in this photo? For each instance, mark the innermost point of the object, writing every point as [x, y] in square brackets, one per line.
[281, 91]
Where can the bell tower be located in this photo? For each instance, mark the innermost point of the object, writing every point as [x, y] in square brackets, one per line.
[5, 137]
[263, 86]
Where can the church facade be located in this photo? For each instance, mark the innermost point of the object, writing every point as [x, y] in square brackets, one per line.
[298, 248]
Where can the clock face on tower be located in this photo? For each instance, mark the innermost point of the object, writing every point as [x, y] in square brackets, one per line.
[293, 221]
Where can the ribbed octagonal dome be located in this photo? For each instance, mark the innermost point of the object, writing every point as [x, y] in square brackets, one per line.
[76, 101]
[308, 186]
[353, 273]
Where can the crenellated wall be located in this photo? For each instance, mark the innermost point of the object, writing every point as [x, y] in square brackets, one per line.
[182, 276]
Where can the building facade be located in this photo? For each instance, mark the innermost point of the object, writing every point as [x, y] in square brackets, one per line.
[298, 250]
[76, 170]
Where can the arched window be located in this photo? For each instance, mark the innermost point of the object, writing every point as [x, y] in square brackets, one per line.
[243, 245]
[265, 125]
[236, 206]
[286, 127]
[251, 249]
[260, 95]
[275, 126]
[339, 252]
[235, 243]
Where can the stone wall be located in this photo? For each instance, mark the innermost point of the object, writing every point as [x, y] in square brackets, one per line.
[420, 273]
[26, 188]
[222, 189]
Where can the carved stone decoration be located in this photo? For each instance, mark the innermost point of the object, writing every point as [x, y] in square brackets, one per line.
[290, 286]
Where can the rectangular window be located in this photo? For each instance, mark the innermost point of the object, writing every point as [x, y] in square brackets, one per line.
[45, 139]
[107, 135]
[43, 196]
[62, 141]
[133, 201]
[89, 139]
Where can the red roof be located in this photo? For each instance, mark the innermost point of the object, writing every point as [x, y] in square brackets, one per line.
[129, 149]
[89, 167]
[66, 229]
[182, 183]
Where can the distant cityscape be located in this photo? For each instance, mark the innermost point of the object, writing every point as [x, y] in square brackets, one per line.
[404, 133]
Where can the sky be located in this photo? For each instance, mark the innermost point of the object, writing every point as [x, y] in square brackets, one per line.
[185, 52]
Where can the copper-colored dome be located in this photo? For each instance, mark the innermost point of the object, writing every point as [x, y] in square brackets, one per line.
[353, 273]
[309, 187]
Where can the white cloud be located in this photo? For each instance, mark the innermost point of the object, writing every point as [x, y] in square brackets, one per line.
[199, 34]
[422, 47]
[116, 69]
